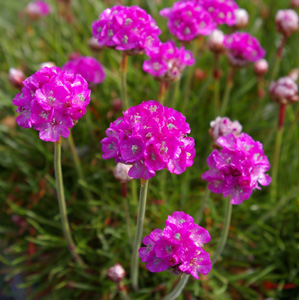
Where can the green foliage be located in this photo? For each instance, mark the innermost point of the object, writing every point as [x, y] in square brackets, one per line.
[262, 248]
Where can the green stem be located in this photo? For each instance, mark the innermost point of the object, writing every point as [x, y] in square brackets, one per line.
[216, 75]
[201, 209]
[138, 234]
[228, 89]
[123, 75]
[225, 230]
[86, 192]
[175, 94]
[278, 59]
[178, 289]
[127, 214]
[62, 205]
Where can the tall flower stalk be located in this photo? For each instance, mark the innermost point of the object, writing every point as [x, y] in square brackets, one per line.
[123, 78]
[229, 86]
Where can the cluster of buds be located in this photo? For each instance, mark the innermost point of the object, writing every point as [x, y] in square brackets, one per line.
[52, 101]
[287, 22]
[178, 248]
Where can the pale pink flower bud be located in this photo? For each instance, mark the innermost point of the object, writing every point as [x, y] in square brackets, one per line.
[215, 41]
[294, 74]
[48, 64]
[116, 273]
[242, 18]
[287, 22]
[120, 172]
[284, 90]
[261, 67]
[295, 3]
[16, 77]
[94, 44]
[37, 9]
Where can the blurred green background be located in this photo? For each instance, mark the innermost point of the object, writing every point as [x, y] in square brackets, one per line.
[260, 260]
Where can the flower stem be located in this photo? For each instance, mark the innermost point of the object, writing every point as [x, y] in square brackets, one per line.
[62, 205]
[127, 214]
[282, 109]
[278, 58]
[86, 192]
[178, 289]
[138, 234]
[123, 75]
[216, 75]
[225, 230]
[228, 89]
[162, 91]
[175, 94]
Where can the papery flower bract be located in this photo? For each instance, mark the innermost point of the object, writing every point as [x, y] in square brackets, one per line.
[167, 62]
[261, 67]
[116, 273]
[37, 9]
[151, 137]
[242, 49]
[287, 21]
[215, 41]
[238, 168]
[16, 77]
[284, 90]
[242, 18]
[52, 101]
[88, 67]
[178, 248]
[125, 28]
[188, 19]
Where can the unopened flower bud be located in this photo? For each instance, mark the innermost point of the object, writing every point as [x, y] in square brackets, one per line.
[215, 41]
[287, 22]
[121, 171]
[295, 3]
[116, 273]
[37, 9]
[48, 64]
[294, 74]
[223, 126]
[284, 90]
[16, 77]
[94, 44]
[242, 18]
[261, 67]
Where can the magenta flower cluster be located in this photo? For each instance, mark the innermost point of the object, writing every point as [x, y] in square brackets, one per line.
[124, 28]
[51, 102]
[238, 168]
[177, 248]
[242, 49]
[88, 67]
[150, 137]
[167, 62]
[190, 18]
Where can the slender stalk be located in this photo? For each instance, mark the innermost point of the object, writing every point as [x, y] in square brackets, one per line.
[260, 87]
[175, 95]
[199, 215]
[138, 234]
[178, 289]
[216, 75]
[123, 75]
[62, 206]
[278, 59]
[282, 109]
[162, 91]
[225, 230]
[126, 208]
[134, 191]
[87, 193]
[228, 89]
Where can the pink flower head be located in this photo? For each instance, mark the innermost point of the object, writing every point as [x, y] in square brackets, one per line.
[287, 21]
[178, 248]
[125, 28]
[242, 49]
[52, 101]
[37, 9]
[284, 90]
[167, 62]
[116, 273]
[188, 19]
[238, 168]
[222, 127]
[151, 137]
[88, 67]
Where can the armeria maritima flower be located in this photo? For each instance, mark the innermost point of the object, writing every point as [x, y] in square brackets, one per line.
[177, 248]
[37, 9]
[242, 49]
[51, 102]
[238, 168]
[287, 21]
[150, 137]
[167, 62]
[188, 19]
[88, 67]
[125, 28]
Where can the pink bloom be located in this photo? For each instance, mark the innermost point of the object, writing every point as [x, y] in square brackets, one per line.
[16, 77]
[167, 62]
[52, 101]
[88, 67]
[242, 18]
[287, 21]
[242, 49]
[37, 9]
[151, 137]
[261, 67]
[116, 273]
[125, 28]
[238, 168]
[188, 19]
[178, 248]
[284, 90]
